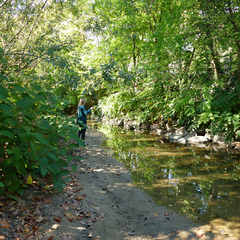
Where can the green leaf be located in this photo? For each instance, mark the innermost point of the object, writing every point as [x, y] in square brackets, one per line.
[17, 153]
[3, 92]
[63, 151]
[36, 87]
[63, 173]
[5, 107]
[69, 158]
[44, 171]
[20, 191]
[26, 136]
[19, 88]
[2, 184]
[7, 134]
[13, 197]
[73, 146]
[11, 121]
[74, 168]
[44, 124]
[53, 156]
[54, 168]
[74, 136]
[26, 102]
[40, 138]
[53, 137]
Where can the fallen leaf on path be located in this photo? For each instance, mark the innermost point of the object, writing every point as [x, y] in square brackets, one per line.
[4, 224]
[47, 200]
[57, 219]
[34, 228]
[70, 216]
[168, 213]
[40, 219]
[79, 198]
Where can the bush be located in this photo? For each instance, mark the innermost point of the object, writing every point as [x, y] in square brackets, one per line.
[31, 127]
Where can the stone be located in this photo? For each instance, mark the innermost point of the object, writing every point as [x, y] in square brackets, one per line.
[177, 138]
[181, 130]
[197, 139]
[161, 131]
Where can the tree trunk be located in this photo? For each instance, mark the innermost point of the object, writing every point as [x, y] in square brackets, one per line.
[238, 62]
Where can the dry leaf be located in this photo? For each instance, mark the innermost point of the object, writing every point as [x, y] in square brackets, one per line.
[58, 219]
[79, 198]
[65, 207]
[47, 200]
[4, 224]
[168, 213]
[34, 228]
[69, 215]
[40, 219]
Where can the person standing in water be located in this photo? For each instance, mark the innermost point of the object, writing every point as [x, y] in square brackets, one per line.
[82, 117]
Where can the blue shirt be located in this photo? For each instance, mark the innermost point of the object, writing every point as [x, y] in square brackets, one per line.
[82, 114]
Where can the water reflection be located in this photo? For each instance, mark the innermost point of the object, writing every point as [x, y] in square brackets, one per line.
[199, 183]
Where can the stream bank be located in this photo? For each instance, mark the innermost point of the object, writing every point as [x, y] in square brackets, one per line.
[181, 135]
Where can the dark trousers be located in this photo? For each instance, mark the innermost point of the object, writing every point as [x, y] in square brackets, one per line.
[81, 133]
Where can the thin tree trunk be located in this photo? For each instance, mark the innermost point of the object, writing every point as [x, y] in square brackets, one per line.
[238, 62]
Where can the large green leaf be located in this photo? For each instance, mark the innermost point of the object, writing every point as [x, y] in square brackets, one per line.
[3, 92]
[69, 158]
[7, 133]
[54, 168]
[63, 173]
[74, 168]
[44, 124]
[25, 102]
[25, 136]
[53, 156]
[2, 184]
[17, 153]
[40, 137]
[11, 121]
[19, 88]
[53, 137]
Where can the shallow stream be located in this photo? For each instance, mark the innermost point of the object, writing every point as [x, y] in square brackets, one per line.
[199, 183]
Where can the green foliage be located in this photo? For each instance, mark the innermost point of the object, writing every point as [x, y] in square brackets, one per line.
[32, 133]
[183, 65]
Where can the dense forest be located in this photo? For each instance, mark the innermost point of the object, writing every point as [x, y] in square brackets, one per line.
[144, 60]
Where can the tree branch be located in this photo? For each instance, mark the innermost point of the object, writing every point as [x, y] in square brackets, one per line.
[34, 25]
[4, 3]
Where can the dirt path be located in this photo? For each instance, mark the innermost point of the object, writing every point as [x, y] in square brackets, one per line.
[101, 202]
